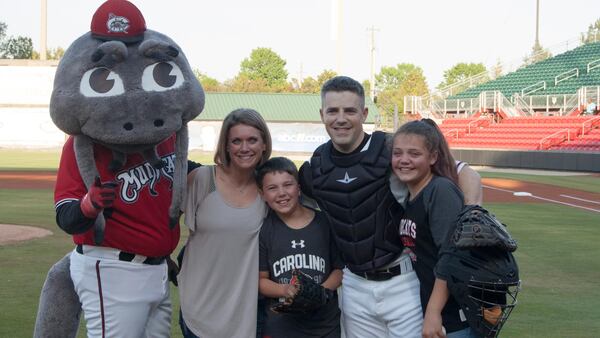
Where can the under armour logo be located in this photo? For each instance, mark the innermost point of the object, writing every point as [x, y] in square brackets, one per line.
[301, 244]
[346, 179]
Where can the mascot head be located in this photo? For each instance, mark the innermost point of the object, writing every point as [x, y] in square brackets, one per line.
[127, 88]
[122, 85]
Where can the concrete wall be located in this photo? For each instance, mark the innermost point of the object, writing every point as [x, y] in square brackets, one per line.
[547, 160]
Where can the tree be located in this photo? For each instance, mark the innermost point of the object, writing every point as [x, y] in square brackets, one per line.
[391, 77]
[3, 27]
[593, 33]
[208, 83]
[367, 87]
[266, 65]
[243, 83]
[498, 70]
[51, 54]
[538, 53]
[413, 84]
[310, 85]
[324, 76]
[19, 47]
[460, 72]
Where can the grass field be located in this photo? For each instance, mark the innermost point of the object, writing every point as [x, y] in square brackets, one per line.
[558, 256]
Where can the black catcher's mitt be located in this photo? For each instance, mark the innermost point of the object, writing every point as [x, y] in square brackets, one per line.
[310, 297]
[478, 228]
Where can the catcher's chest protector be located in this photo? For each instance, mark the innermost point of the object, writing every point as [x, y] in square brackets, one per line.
[354, 191]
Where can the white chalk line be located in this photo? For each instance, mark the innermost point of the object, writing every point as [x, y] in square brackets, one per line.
[580, 199]
[546, 199]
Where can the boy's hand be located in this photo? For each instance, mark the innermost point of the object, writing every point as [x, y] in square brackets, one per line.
[289, 292]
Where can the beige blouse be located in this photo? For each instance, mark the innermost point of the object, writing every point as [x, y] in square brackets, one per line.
[218, 282]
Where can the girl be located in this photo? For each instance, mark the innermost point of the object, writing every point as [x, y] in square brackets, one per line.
[432, 208]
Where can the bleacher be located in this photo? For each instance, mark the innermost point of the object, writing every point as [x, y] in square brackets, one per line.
[546, 70]
[569, 133]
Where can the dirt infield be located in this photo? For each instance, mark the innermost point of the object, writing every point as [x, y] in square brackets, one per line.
[27, 179]
[17, 233]
[511, 191]
[494, 191]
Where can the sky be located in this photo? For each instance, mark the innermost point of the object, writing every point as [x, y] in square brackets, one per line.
[432, 34]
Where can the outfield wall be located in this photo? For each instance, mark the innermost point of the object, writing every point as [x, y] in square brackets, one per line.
[25, 89]
[545, 160]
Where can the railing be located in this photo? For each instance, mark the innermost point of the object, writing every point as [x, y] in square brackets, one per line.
[552, 136]
[593, 64]
[534, 88]
[522, 105]
[570, 104]
[467, 83]
[561, 104]
[566, 75]
[449, 133]
[587, 94]
[478, 123]
[507, 107]
[592, 122]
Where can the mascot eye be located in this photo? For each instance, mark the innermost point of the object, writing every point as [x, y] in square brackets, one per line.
[100, 82]
[162, 76]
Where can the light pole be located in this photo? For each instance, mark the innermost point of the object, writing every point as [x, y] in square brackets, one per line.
[43, 34]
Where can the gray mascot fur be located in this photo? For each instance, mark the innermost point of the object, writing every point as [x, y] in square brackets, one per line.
[141, 99]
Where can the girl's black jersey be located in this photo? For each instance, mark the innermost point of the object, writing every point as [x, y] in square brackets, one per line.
[425, 229]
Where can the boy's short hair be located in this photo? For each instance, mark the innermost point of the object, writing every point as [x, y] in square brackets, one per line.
[275, 164]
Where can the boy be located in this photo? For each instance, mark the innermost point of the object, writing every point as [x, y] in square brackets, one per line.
[295, 237]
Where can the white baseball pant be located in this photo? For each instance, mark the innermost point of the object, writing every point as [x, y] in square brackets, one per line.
[378, 309]
[121, 299]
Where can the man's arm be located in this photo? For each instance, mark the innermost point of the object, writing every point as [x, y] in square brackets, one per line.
[305, 178]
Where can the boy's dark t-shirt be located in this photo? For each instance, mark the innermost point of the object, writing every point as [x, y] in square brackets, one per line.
[425, 228]
[312, 250]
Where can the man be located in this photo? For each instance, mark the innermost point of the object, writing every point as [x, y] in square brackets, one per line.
[590, 109]
[349, 178]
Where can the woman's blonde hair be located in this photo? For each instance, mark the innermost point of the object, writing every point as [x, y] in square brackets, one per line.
[248, 117]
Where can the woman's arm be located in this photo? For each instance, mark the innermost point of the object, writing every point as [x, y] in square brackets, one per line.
[432, 323]
[334, 280]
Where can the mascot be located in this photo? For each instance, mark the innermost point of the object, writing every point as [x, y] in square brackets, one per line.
[124, 94]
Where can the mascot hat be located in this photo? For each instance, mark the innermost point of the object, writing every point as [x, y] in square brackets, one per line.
[118, 20]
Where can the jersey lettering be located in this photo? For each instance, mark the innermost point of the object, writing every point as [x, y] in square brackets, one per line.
[408, 232]
[135, 179]
[408, 228]
[298, 261]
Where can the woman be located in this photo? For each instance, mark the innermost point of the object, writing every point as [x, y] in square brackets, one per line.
[218, 282]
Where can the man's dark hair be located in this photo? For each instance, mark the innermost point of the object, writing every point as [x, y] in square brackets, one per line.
[342, 84]
[275, 164]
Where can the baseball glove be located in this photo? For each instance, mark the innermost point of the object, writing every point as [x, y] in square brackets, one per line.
[478, 228]
[310, 297]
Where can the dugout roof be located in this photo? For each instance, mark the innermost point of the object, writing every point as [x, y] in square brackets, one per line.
[274, 107]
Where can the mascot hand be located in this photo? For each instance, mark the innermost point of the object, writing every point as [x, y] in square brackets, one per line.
[99, 197]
